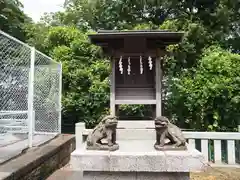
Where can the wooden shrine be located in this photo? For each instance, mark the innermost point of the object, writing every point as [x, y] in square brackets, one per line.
[136, 61]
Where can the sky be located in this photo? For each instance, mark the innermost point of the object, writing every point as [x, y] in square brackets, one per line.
[36, 8]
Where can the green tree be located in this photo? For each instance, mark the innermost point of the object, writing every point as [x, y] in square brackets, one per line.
[220, 16]
[85, 74]
[205, 23]
[209, 95]
[12, 18]
[36, 34]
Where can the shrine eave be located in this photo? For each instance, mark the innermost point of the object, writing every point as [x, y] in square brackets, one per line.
[105, 38]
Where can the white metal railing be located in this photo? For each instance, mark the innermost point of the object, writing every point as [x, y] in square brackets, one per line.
[209, 143]
[217, 146]
[13, 122]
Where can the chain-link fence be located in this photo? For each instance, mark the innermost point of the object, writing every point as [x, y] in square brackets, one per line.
[30, 91]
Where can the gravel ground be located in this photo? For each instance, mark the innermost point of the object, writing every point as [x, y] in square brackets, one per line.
[217, 174]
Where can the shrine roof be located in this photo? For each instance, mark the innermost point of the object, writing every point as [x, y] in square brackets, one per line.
[104, 36]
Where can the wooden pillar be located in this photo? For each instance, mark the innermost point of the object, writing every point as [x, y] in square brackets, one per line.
[158, 87]
[112, 89]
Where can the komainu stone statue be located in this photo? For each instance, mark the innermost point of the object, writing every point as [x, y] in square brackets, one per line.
[168, 135]
[106, 129]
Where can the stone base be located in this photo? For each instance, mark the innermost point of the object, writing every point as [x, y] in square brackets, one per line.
[170, 148]
[104, 147]
[134, 176]
[137, 156]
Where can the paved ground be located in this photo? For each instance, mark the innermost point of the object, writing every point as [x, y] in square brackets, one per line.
[218, 174]
[64, 173]
[211, 174]
[7, 139]
[13, 145]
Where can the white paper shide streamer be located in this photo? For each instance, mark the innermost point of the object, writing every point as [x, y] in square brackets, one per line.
[150, 62]
[120, 65]
[141, 65]
[129, 66]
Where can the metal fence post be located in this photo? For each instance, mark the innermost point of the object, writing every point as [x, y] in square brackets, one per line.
[238, 145]
[60, 101]
[33, 123]
[31, 97]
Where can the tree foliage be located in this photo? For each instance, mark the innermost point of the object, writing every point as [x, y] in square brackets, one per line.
[85, 74]
[219, 17]
[209, 95]
[201, 73]
[12, 18]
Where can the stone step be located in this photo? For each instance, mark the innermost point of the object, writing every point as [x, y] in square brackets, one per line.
[65, 173]
[130, 134]
[123, 134]
[136, 124]
[142, 134]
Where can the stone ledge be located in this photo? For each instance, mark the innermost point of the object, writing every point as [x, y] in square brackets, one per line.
[135, 176]
[137, 156]
[40, 161]
[150, 134]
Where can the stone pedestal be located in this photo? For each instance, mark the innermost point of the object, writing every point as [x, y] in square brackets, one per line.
[134, 176]
[136, 160]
